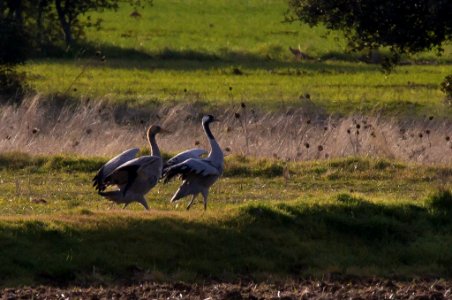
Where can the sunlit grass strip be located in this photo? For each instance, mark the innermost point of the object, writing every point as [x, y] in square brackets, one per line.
[48, 185]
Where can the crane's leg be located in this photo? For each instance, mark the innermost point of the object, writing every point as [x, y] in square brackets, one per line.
[204, 195]
[191, 202]
[144, 203]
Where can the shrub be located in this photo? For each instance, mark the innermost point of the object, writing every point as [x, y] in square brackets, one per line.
[11, 83]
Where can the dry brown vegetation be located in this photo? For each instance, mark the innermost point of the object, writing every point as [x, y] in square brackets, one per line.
[43, 126]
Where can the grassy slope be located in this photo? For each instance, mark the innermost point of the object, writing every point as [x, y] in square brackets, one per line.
[354, 216]
[195, 46]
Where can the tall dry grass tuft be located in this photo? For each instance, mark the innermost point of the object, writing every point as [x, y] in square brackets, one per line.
[48, 126]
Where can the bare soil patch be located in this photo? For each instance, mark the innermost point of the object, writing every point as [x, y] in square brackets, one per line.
[309, 289]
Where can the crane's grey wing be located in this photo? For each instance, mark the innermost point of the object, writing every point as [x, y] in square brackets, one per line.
[99, 179]
[142, 168]
[200, 167]
[177, 159]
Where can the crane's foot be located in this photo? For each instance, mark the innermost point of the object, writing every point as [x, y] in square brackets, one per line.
[191, 202]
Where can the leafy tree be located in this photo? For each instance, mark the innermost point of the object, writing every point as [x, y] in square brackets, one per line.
[404, 26]
[69, 11]
[45, 20]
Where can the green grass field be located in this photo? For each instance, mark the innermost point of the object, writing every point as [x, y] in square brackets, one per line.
[222, 52]
[349, 217]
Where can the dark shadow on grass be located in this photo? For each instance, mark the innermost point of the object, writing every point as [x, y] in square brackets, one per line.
[190, 60]
[350, 237]
[241, 67]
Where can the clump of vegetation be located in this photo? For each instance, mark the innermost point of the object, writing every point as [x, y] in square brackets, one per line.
[12, 84]
[348, 199]
[440, 201]
[238, 165]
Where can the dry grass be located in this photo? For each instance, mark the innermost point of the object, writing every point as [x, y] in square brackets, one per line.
[43, 126]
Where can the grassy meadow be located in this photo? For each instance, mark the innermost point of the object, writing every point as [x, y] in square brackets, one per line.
[265, 220]
[223, 52]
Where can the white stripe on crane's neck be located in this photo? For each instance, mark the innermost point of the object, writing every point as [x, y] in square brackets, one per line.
[155, 151]
[216, 154]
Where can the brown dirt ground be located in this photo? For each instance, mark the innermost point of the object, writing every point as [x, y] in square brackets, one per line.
[308, 289]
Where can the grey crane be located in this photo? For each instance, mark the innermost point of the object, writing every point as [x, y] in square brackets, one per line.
[198, 174]
[134, 177]
[191, 153]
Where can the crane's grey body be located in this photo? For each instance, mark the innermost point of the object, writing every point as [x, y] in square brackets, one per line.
[198, 174]
[177, 159]
[195, 184]
[135, 177]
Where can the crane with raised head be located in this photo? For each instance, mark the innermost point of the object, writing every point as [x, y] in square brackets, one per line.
[198, 174]
[134, 177]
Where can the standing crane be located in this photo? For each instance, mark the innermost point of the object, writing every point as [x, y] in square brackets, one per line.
[198, 174]
[134, 177]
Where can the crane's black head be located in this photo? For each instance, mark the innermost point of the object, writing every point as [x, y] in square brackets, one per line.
[154, 129]
[208, 119]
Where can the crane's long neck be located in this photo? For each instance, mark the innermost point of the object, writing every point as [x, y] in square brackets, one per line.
[216, 154]
[155, 151]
